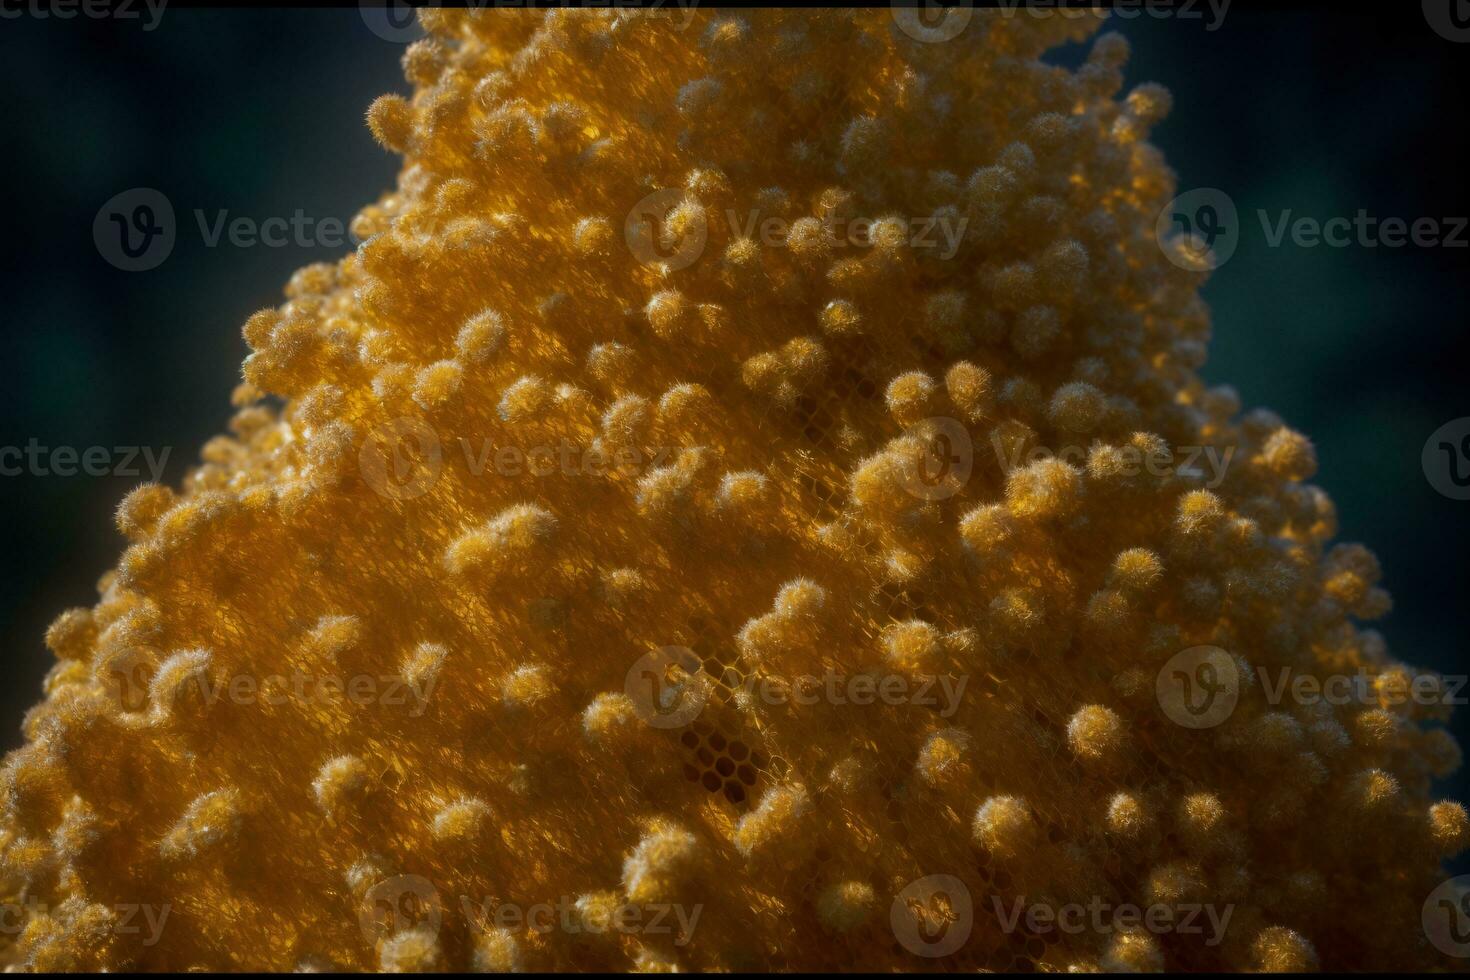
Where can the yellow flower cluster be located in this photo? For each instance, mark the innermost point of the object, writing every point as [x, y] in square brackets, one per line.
[369, 675]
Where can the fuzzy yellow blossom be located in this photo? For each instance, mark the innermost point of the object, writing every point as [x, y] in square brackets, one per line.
[561, 426]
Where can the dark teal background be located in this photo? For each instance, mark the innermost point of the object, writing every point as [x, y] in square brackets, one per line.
[260, 112]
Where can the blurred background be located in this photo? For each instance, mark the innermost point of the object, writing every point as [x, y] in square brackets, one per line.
[259, 113]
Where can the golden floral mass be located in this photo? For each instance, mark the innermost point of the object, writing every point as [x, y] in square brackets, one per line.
[537, 507]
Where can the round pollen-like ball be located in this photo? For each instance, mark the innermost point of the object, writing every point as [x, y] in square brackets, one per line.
[943, 753]
[481, 336]
[462, 822]
[1049, 489]
[71, 635]
[669, 313]
[658, 865]
[609, 713]
[1199, 511]
[777, 817]
[846, 905]
[1290, 455]
[524, 399]
[526, 685]
[1128, 816]
[1004, 826]
[912, 644]
[1449, 828]
[910, 397]
[1097, 735]
[1136, 570]
[1201, 818]
[513, 533]
[800, 598]
[971, 390]
[611, 363]
[840, 318]
[1133, 952]
[497, 950]
[1373, 792]
[1076, 407]
[437, 384]
[592, 236]
[413, 950]
[390, 119]
[987, 528]
[744, 492]
[340, 781]
[1280, 950]
[141, 509]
